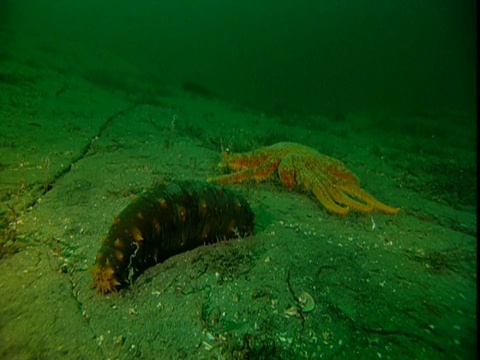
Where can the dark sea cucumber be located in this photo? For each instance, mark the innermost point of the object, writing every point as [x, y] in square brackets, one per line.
[167, 220]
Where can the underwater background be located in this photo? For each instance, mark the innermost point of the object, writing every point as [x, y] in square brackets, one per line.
[325, 57]
[370, 253]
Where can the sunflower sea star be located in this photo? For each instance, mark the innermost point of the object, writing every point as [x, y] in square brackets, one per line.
[299, 166]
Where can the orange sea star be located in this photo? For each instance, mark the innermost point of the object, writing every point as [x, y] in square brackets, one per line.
[300, 166]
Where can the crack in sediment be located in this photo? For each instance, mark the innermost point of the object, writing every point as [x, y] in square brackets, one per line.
[74, 294]
[397, 333]
[295, 298]
[85, 150]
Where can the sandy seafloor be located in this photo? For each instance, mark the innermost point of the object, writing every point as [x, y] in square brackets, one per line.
[77, 144]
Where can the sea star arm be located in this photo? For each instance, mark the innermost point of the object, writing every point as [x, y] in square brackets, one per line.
[326, 200]
[361, 194]
[340, 197]
[316, 182]
[287, 171]
[245, 161]
[259, 173]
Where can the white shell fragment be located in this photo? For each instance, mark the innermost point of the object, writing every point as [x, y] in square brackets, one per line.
[306, 302]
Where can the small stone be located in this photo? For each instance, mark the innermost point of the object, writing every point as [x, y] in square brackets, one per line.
[119, 340]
